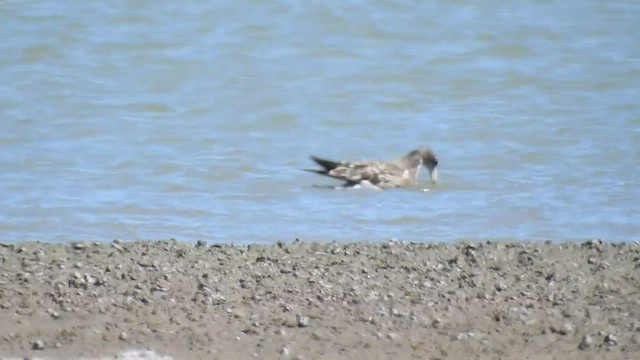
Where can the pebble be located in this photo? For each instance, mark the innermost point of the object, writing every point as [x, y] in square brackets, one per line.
[610, 340]
[79, 246]
[303, 321]
[565, 329]
[393, 336]
[217, 299]
[585, 343]
[436, 323]
[117, 247]
[460, 336]
[38, 345]
[54, 314]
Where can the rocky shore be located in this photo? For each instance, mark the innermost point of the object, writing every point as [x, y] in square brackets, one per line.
[321, 300]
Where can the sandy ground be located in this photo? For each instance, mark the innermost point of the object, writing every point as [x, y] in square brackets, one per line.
[321, 300]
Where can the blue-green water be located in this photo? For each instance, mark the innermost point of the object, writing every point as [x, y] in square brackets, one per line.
[191, 120]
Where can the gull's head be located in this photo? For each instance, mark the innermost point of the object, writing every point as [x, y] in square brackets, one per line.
[430, 161]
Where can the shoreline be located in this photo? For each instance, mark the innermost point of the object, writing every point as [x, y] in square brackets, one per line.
[537, 300]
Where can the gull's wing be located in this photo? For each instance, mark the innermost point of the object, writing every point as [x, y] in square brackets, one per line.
[381, 174]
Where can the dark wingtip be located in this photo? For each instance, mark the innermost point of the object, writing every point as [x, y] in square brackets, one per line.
[328, 165]
[316, 171]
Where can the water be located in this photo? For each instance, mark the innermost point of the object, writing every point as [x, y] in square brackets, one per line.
[192, 120]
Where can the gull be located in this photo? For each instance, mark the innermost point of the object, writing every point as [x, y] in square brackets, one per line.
[397, 173]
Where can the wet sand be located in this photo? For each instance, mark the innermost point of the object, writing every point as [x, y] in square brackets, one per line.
[321, 300]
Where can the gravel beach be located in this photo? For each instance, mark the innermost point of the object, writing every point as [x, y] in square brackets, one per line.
[302, 300]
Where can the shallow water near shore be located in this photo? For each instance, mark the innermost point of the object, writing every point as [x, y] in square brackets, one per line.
[138, 120]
